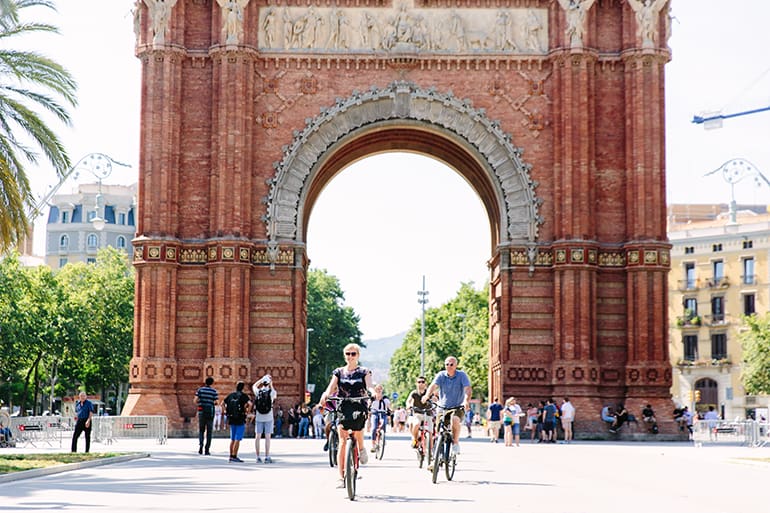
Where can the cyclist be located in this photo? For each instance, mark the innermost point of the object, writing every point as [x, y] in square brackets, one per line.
[350, 380]
[415, 401]
[454, 391]
[380, 410]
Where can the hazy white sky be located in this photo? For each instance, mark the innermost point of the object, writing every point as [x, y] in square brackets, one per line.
[378, 237]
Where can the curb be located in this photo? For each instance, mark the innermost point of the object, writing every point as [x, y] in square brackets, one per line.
[58, 469]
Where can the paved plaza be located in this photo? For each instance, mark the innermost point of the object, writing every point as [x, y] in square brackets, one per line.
[590, 477]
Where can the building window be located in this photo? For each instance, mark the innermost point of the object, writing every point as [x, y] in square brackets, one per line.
[689, 250]
[748, 271]
[65, 217]
[690, 307]
[717, 309]
[122, 218]
[62, 262]
[748, 304]
[690, 343]
[90, 260]
[121, 242]
[92, 241]
[90, 215]
[716, 247]
[718, 346]
[709, 391]
[748, 244]
[689, 275]
[64, 242]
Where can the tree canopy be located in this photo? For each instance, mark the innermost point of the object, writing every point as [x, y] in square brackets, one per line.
[333, 324]
[30, 84]
[756, 354]
[459, 328]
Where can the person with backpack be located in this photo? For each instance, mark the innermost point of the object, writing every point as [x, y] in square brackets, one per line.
[264, 396]
[206, 399]
[237, 405]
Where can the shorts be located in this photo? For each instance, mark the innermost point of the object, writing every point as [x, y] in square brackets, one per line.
[263, 427]
[517, 429]
[417, 419]
[236, 432]
[548, 426]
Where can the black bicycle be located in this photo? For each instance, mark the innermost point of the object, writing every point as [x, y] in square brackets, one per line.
[351, 448]
[333, 439]
[379, 436]
[443, 456]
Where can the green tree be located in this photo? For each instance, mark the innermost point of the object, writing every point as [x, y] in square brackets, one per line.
[29, 82]
[756, 354]
[459, 327]
[334, 326]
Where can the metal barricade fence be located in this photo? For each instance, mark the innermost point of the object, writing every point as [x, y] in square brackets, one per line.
[108, 429]
[52, 430]
[735, 432]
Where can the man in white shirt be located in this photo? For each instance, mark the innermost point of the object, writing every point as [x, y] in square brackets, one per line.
[567, 418]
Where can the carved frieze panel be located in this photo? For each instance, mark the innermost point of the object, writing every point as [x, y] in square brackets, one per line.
[403, 28]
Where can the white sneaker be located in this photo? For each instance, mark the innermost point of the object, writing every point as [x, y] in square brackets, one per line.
[363, 457]
[456, 449]
[340, 483]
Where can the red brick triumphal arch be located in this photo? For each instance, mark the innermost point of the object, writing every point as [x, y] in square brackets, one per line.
[551, 110]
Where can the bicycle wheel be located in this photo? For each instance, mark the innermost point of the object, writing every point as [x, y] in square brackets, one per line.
[437, 455]
[350, 468]
[334, 444]
[428, 450]
[421, 450]
[380, 445]
[450, 460]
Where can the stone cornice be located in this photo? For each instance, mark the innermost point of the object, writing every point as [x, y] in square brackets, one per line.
[639, 256]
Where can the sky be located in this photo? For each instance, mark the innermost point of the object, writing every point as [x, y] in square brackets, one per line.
[381, 249]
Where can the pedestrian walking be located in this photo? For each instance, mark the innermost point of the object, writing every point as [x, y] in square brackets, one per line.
[84, 412]
[237, 405]
[206, 398]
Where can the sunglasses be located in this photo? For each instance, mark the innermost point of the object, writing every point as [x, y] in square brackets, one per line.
[449, 364]
[351, 354]
[420, 381]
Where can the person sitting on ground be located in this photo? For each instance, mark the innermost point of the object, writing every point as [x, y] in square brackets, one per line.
[621, 416]
[6, 437]
[648, 417]
[608, 415]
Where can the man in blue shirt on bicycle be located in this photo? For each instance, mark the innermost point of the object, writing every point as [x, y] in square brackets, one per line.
[454, 390]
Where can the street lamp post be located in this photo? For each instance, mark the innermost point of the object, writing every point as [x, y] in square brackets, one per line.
[733, 171]
[423, 295]
[307, 355]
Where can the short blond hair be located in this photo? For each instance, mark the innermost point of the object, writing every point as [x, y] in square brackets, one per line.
[352, 346]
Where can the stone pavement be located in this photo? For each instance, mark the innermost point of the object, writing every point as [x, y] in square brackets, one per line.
[590, 477]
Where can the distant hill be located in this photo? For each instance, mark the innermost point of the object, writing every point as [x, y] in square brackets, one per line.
[377, 354]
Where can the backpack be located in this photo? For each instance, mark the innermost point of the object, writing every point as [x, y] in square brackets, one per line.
[264, 402]
[233, 405]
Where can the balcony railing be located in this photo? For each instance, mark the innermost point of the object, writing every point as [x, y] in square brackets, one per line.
[749, 279]
[684, 285]
[688, 321]
[687, 361]
[716, 320]
[718, 282]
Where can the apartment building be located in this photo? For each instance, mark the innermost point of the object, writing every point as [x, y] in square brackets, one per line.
[719, 273]
[92, 217]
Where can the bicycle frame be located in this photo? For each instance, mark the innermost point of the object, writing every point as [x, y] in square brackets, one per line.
[351, 456]
[442, 448]
[425, 436]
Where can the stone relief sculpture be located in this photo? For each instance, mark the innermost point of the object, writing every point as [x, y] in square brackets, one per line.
[268, 26]
[404, 29]
[136, 12]
[532, 28]
[647, 12]
[232, 20]
[160, 14]
[338, 24]
[368, 27]
[575, 11]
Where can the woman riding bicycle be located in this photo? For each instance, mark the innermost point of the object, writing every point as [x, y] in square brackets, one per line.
[380, 410]
[350, 380]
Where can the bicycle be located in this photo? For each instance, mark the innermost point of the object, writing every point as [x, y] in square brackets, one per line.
[442, 450]
[333, 438]
[424, 437]
[379, 438]
[351, 449]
